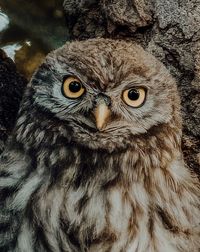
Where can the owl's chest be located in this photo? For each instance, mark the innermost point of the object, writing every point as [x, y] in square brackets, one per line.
[112, 219]
[91, 218]
[95, 220]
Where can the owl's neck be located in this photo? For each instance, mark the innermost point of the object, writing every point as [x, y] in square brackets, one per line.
[152, 154]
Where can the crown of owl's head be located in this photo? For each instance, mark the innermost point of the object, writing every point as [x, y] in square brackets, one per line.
[106, 92]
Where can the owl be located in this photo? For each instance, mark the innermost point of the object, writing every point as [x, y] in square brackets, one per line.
[94, 163]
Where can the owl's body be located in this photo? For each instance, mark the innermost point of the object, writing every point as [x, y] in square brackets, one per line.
[70, 182]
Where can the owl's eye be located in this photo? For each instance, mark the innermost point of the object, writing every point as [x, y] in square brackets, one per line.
[72, 88]
[134, 97]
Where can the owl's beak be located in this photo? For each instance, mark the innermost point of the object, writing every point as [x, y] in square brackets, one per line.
[101, 113]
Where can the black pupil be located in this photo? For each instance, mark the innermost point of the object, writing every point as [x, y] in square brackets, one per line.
[133, 94]
[75, 86]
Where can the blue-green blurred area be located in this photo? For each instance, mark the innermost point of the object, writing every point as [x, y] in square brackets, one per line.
[29, 29]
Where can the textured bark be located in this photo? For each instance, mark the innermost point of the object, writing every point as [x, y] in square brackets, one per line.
[12, 85]
[169, 29]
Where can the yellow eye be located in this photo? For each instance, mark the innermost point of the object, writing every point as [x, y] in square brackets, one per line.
[134, 97]
[72, 88]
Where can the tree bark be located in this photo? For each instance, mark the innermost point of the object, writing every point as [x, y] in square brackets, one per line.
[169, 29]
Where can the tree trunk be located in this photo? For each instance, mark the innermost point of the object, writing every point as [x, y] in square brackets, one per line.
[169, 29]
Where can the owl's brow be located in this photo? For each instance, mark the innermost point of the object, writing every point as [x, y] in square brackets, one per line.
[133, 84]
[88, 84]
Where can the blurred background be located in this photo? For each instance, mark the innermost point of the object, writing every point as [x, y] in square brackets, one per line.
[30, 29]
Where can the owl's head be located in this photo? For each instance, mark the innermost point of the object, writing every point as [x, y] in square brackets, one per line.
[106, 92]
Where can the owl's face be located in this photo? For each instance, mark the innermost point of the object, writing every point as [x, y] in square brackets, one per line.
[106, 92]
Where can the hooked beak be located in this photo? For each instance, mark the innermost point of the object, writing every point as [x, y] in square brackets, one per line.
[101, 113]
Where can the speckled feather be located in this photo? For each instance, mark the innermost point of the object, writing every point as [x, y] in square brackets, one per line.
[66, 186]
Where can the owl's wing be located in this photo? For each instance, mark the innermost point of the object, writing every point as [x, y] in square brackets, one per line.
[17, 183]
[12, 86]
